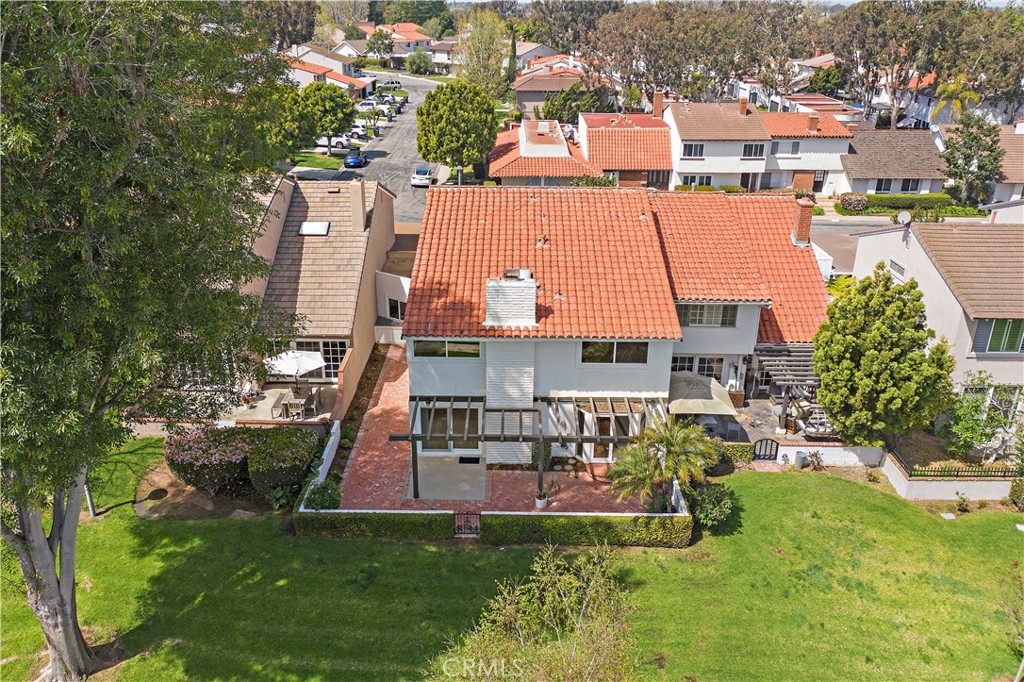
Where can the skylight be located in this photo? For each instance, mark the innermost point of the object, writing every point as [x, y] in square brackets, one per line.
[314, 229]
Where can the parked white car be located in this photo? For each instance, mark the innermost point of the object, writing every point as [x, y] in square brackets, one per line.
[422, 177]
[369, 105]
[343, 141]
[391, 84]
[358, 130]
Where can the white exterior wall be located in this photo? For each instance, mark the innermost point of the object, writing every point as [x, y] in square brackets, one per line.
[509, 381]
[943, 312]
[559, 372]
[833, 456]
[319, 59]
[939, 489]
[1008, 191]
[390, 286]
[300, 77]
[815, 154]
[347, 50]
[721, 158]
[447, 376]
[738, 340]
[867, 186]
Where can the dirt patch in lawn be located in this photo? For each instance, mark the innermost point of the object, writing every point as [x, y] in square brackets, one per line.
[926, 450]
[162, 495]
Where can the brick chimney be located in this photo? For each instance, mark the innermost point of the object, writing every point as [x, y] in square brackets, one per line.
[802, 227]
[812, 123]
[357, 201]
[743, 106]
[659, 105]
[817, 52]
[512, 300]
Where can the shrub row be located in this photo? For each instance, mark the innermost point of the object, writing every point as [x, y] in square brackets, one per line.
[274, 460]
[641, 531]
[374, 525]
[908, 201]
[735, 453]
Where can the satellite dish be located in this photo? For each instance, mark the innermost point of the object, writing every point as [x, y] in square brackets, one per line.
[904, 217]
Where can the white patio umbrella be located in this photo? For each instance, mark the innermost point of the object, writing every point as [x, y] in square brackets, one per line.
[691, 393]
[294, 362]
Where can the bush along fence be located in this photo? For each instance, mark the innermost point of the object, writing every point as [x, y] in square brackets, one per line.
[317, 516]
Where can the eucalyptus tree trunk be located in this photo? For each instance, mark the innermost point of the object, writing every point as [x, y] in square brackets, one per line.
[48, 566]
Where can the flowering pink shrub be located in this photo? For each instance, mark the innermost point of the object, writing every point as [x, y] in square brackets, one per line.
[208, 459]
[853, 201]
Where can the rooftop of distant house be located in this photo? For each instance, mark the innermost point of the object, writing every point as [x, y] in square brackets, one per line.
[308, 67]
[627, 141]
[893, 154]
[548, 80]
[327, 53]
[796, 124]
[538, 149]
[717, 121]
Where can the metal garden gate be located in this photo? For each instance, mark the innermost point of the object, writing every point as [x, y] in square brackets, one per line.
[766, 449]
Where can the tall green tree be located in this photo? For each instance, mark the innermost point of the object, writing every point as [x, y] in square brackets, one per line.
[983, 419]
[419, 62]
[380, 45]
[569, 23]
[879, 377]
[957, 95]
[480, 54]
[297, 129]
[826, 81]
[456, 125]
[567, 105]
[285, 22]
[134, 142]
[973, 156]
[672, 448]
[330, 109]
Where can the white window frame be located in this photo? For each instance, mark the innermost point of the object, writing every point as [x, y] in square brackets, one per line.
[883, 185]
[709, 314]
[899, 270]
[328, 373]
[696, 149]
[615, 354]
[695, 362]
[910, 185]
[696, 180]
[992, 333]
[400, 304]
[447, 355]
[757, 149]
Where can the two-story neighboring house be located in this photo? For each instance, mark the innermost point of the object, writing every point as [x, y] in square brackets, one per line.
[717, 144]
[538, 154]
[1009, 184]
[806, 151]
[972, 283]
[892, 162]
[635, 149]
[568, 312]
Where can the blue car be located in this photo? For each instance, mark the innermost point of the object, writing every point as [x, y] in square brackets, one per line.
[355, 159]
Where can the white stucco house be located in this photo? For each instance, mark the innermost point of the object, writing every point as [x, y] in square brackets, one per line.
[568, 311]
[1009, 184]
[892, 162]
[972, 282]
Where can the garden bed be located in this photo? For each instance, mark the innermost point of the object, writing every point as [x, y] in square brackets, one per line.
[360, 402]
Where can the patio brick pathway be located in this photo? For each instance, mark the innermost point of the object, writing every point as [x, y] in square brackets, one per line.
[378, 471]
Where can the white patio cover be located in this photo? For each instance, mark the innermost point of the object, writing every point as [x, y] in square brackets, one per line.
[690, 393]
[294, 362]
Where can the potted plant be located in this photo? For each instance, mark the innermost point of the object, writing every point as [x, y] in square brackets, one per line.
[544, 494]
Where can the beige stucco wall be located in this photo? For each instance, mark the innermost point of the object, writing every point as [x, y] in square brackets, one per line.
[381, 238]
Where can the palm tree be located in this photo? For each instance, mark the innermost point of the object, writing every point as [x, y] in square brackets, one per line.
[668, 449]
[957, 95]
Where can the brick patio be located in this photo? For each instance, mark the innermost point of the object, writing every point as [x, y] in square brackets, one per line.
[378, 471]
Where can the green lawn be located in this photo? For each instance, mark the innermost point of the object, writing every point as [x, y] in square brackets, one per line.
[317, 160]
[818, 578]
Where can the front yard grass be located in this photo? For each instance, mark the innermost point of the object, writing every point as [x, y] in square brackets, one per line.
[816, 578]
[318, 160]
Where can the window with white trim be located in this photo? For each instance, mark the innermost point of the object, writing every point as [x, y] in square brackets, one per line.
[883, 185]
[698, 180]
[396, 309]
[1006, 337]
[332, 350]
[910, 185]
[706, 314]
[613, 352]
[446, 349]
[897, 269]
[693, 150]
[710, 367]
[753, 151]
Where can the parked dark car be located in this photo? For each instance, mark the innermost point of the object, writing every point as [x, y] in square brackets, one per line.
[355, 159]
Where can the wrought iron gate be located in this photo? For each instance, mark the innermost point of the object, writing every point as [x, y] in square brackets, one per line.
[766, 449]
[467, 524]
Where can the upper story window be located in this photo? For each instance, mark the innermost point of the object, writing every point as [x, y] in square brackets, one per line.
[319, 78]
[1007, 336]
[692, 150]
[753, 151]
[396, 309]
[706, 314]
[787, 148]
[614, 352]
[897, 268]
[446, 349]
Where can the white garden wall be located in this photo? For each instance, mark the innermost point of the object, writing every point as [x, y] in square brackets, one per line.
[943, 489]
[833, 455]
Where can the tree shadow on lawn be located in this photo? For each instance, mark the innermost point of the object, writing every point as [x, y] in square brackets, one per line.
[244, 600]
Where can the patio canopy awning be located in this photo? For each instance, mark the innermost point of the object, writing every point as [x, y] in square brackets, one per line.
[690, 393]
[548, 420]
[789, 364]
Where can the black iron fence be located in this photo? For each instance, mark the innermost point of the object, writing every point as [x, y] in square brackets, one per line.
[964, 471]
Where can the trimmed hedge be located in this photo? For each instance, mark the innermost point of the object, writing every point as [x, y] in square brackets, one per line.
[279, 457]
[374, 525]
[908, 201]
[641, 531]
[733, 189]
[323, 495]
[735, 453]
[208, 459]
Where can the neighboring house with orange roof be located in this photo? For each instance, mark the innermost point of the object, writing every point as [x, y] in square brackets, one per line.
[537, 154]
[531, 88]
[303, 73]
[806, 151]
[571, 309]
[340, 66]
[635, 149]
[1009, 184]
[527, 52]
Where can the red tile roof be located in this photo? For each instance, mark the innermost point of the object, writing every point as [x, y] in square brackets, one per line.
[507, 161]
[616, 261]
[628, 142]
[739, 248]
[347, 80]
[548, 80]
[794, 124]
[599, 273]
[306, 66]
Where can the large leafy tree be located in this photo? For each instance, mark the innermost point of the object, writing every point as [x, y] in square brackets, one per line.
[826, 81]
[285, 22]
[329, 108]
[456, 125]
[380, 44]
[134, 142]
[481, 53]
[296, 129]
[419, 62]
[984, 420]
[973, 155]
[668, 449]
[567, 105]
[569, 23]
[879, 378]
